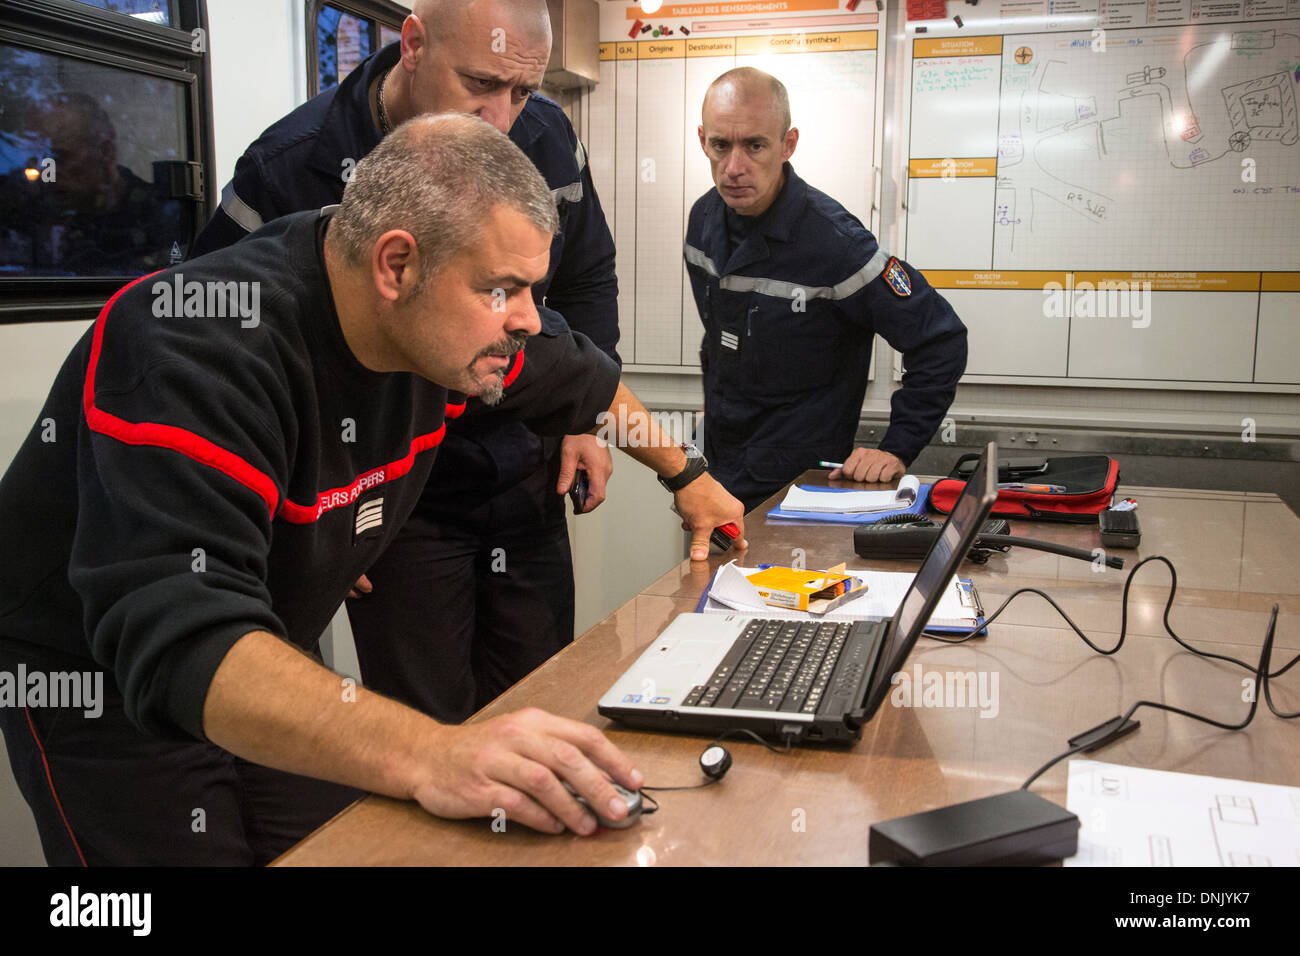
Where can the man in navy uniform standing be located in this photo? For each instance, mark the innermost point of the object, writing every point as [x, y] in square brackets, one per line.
[791, 288]
[492, 520]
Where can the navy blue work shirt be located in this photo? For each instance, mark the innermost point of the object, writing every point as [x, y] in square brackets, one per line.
[300, 163]
[789, 313]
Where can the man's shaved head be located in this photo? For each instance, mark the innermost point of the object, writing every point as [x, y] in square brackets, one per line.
[485, 57]
[444, 18]
[752, 87]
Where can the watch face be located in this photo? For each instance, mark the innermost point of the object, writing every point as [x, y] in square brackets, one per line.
[691, 450]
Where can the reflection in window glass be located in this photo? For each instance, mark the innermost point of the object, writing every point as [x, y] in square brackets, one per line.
[388, 35]
[84, 168]
[155, 11]
[342, 41]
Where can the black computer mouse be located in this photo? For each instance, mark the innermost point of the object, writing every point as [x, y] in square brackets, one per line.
[631, 797]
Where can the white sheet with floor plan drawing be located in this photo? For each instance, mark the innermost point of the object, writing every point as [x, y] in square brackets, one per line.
[1136, 817]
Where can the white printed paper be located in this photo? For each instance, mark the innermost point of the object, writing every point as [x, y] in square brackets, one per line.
[1135, 817]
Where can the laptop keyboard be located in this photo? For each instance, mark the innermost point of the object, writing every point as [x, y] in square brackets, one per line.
[779, 665]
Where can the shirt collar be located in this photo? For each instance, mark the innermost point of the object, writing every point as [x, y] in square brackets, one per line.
[776, 222]
[348, 127]
[323, 325]
[779, 219]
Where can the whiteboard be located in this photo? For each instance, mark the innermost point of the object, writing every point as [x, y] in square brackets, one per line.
[1110, 191]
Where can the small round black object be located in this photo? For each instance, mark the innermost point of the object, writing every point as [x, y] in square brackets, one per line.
[715, 762]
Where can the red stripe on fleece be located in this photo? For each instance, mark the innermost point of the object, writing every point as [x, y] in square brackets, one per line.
[57, 802]
[206, 453]
[514, 371]
[341, 497]
[167, 436]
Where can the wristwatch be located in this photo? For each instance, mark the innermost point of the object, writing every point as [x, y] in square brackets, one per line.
[696, 465]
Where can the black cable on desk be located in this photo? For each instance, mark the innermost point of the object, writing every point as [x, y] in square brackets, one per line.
[1261, 678]
[789, 744]
[1120, 725]
[1003, 541]
[1123, 628]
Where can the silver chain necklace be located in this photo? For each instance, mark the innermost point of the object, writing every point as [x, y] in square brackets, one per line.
[384, 126]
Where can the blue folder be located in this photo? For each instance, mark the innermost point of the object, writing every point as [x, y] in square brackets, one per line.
[917, 508]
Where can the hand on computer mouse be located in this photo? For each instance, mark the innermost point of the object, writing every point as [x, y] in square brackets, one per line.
[632, 799]
[515, 764]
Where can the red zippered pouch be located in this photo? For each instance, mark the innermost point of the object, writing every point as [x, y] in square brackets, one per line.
[1089, 482]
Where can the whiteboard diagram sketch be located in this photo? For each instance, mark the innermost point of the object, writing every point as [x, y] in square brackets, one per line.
[1149, 154]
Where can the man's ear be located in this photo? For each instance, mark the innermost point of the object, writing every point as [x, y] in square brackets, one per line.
[702, 144]
[395, 264]
[789, 144]
[414, 42]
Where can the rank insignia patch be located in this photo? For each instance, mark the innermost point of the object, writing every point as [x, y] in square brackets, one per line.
[900, 283]
[369, 518]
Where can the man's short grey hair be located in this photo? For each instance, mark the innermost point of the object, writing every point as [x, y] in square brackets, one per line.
[748, 81]
[439, 178]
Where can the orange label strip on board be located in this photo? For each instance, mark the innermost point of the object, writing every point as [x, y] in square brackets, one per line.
[661, 50]
[1083, 281]
[1281, 282]
[712, 46]
[673, 10]
[956, 46]
[1175, 281]
[989, 279]
[806, 42]
[952, 168]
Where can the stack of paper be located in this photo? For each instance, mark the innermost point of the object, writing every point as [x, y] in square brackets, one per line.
[836, 501]
[959, 609]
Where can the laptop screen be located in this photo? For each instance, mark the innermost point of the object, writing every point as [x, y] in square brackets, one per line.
[947, 552]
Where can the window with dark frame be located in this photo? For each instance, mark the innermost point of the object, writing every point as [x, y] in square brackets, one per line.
[342, 33]
[105, 134]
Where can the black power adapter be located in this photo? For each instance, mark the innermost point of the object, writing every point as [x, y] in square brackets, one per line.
[1019, 828]
[1119, 529]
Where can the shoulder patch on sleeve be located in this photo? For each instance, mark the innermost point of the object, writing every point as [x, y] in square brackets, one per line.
[896, 277]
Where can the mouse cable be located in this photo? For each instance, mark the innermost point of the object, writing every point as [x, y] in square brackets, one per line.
[1123, 629]
[1113, 729]
[789, 744]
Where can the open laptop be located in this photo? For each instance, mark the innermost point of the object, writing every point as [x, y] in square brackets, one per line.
[793, 679]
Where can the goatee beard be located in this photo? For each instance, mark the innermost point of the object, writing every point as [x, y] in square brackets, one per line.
[492, 393]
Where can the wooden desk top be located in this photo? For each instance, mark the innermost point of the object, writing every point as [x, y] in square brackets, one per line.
[1235, 554]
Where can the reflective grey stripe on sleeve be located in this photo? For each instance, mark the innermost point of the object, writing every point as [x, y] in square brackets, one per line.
[697, 258]
[787, 290]
[571, 192]
[238, 210]
[581, 155]
[864, 276]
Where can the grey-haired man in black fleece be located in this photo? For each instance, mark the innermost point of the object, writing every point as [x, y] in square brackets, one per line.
[216, 483]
